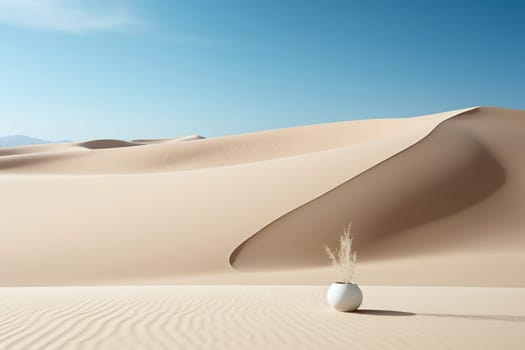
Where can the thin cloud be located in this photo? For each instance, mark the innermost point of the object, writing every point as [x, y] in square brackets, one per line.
[64, 15]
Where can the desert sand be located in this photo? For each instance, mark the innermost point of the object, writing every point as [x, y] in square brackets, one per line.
[435, 201]
[259, 317]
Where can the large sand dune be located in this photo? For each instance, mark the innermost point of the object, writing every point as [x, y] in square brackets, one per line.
[434, 200]
[457, 192]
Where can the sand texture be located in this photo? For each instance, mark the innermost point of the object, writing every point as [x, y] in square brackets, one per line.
[259, 317]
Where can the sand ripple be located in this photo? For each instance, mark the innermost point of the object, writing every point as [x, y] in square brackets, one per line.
[254, 317]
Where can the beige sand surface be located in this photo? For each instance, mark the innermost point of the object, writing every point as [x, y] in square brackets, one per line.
[435, 200]
[92, 213]
[259, 317]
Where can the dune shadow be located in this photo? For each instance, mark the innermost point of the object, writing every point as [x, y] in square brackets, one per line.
[375, 312]
[107, 143]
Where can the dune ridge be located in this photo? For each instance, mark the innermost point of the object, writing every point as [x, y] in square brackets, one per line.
[426, 195]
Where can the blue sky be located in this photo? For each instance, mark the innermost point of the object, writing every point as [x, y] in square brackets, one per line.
[80, 69]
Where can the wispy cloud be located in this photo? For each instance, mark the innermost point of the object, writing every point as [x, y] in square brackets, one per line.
[66, 15]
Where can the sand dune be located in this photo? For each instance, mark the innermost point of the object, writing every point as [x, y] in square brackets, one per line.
[223, 151]
[453, 191]
[434, 200]
[258, 317]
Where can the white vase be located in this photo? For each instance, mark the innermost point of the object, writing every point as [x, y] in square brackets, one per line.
[344, 296]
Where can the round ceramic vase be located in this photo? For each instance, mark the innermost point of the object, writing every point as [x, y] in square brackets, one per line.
[344, 296]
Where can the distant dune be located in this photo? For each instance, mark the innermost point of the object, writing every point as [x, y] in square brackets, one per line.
[434, 200]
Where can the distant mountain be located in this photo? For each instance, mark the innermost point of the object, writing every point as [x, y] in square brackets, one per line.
[20, 140]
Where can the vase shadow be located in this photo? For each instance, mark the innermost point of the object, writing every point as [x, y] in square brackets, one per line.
[377, 312]
[507, 318]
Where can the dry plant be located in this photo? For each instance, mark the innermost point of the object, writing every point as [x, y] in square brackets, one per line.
[343, 259]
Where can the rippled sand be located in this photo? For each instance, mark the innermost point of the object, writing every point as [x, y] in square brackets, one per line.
[259, 317]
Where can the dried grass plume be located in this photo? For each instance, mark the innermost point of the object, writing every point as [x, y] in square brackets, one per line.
[343, 259]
